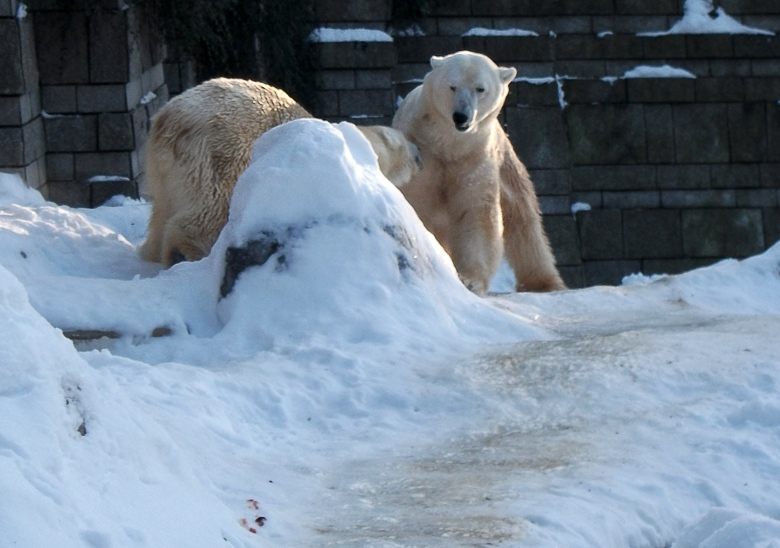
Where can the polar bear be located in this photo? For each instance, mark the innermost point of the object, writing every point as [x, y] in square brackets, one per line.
[201, 141]
[473, 189]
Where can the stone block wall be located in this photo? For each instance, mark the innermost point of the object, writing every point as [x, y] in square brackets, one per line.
[22, 146]
[658, 175]
[76, 108]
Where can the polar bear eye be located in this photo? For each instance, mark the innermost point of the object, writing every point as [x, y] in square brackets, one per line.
[480, 89]
[452, 88]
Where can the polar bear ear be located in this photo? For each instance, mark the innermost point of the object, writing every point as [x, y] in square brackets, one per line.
[507, 74]
[436, 61]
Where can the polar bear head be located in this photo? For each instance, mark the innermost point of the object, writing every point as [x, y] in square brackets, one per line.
[468, 88]
[399, 160]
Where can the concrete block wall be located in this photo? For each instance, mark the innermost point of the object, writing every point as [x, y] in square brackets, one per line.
[22, 146]
[76, 101]
[101, 80]
[667, 174]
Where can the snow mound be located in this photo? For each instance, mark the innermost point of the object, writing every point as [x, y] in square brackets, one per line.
[341, 252]
[701, 17]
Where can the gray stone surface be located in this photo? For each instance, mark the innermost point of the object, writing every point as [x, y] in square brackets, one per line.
[539, 137]
[71, 133]
[747, 132]
[701, 133]
[652, 234]
[609, 272]
[62, 45]
[115, 131]
[722, 232]
[608, 134]
[562, 232]
[660, 134]
[601, 234]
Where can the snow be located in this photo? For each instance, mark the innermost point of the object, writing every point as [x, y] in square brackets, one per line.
[664, 71]
[482, 31]
[701, 17]
[351, 392]
[325, 34]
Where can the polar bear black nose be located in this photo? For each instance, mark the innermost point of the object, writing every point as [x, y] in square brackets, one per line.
[460, 119]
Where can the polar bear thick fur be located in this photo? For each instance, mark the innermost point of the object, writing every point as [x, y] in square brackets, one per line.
[199, 144]
[473, 189]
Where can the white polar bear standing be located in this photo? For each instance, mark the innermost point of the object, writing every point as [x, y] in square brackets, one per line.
[473, 188]
[201, 141]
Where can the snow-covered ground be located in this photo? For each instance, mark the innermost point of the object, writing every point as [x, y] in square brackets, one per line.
[350, 392]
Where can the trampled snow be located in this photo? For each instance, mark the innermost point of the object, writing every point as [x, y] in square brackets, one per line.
[350, 392]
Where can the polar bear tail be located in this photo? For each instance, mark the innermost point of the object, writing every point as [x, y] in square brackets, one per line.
[526, 246]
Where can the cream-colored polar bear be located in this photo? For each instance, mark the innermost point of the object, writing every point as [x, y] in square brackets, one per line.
[201, 141]
[473, 188]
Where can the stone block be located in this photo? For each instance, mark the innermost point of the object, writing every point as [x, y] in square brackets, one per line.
[537, 93]
[562, 232]
[719, 90]
[365, 102]
[12, 76]
[762, 89]
[660, 90]
[59, 99]
[680, 177]
[504, 49]
[327, 104]
[8, 8]
[673, 266]
[573, 276]
[701, 133]
[69, 193]
[420, 49]
[738, 7]
[709, 46]
[601, 234]
[71, 133]
[333, 11]
[103, 164]
[17, 110]
[631, 199]
[660, 134]
[609, 272]
[539, 137]
[590, 46]
[590, 178]
[101, 98]
[642, 7]
[34, 140]
[354, 55]
[594, 91]
[723, 68]
[373, 79]
[769, 175]
[773, 131]
[11, 147]
[771, 226]
[453, 8]
[664, 47]
[606, 134]
[580, 68]
[688, 199]
[753, 46]
[757, 198]
[115, 131]
[102, 191]
[542, 7]
[765, 67]
[652, 234]
[736, 176]
[457, 27]
[747, 132]
[551, 182]
[722, 232]
[60, 167]
[108, 47]
[61, 40]
[554, 205]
